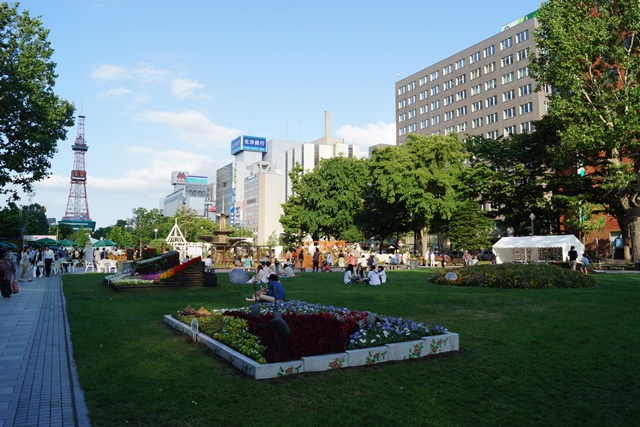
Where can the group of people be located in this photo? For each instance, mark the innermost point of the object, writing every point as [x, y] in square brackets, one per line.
[271, 292]
[573, 260]
[376, 275]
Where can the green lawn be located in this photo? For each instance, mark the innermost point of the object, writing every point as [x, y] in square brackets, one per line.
[544, 357]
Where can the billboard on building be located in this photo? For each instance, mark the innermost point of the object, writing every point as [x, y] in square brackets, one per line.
[178, 177]
[519, 20]
[249, 143]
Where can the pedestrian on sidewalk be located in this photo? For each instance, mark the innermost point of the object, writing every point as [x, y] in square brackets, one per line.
[8, 270]
[48, 259]
[25, 265]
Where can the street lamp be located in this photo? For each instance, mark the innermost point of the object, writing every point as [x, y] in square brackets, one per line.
[156, 231]
[532, 217]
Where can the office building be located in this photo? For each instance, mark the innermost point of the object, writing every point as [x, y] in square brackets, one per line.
[485, 89]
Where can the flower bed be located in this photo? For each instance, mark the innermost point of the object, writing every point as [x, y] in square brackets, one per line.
[511, 275]
[320, 338]
[188, 274]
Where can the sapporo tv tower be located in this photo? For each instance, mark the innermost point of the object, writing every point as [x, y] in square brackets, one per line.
[77, 213]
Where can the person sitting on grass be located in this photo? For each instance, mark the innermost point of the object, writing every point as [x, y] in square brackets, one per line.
[260, 276]
[349, 276]
[382, 274]
[275, 290]
[373, 278]
[287, 271]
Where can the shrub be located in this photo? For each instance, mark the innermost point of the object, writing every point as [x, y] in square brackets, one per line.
[510, 275]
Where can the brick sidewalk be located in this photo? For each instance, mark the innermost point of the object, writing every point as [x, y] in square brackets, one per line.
[38, 377]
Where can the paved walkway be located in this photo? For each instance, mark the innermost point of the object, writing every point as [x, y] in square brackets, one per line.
[38, 378]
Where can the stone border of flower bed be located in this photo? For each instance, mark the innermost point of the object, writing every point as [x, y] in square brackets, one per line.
[426, 346]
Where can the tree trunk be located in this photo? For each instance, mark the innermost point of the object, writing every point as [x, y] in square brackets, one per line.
[423, 240]
[633, 253]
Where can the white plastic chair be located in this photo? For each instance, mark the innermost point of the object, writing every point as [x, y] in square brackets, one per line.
[89, 265]
[112, 265]
[55, 266]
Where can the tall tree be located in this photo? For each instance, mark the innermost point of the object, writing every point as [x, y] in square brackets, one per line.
[32, 117]
[420, 178]
[470, 228]
[589, 53]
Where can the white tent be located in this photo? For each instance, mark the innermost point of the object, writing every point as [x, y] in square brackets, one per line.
[536, 248]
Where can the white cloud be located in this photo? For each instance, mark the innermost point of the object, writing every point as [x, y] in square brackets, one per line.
[115, 93]
[193, 127]
[371, 134]
[110, 72]
[184, 88]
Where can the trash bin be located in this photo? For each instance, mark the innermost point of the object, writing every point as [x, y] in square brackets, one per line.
[210, 279]
[414, 264]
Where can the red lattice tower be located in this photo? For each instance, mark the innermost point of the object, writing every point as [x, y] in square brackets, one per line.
[77, 205]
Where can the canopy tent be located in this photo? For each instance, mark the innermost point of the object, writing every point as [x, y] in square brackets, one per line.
[536, 248]
[103, 243]
[47, 241]
[67, 243]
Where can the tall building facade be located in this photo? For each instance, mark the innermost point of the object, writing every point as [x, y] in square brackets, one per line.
[484, 90]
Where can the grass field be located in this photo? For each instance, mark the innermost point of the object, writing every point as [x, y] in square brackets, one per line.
[543, 357]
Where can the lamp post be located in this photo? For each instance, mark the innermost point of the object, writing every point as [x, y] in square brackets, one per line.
[156, 233]
[532, 217]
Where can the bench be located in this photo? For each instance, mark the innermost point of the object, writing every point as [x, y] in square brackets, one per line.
[616, 263]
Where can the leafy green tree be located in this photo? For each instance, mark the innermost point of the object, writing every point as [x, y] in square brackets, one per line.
[291, 219]
[81, 237]
[420, 179]
[32, 117]
[30, 219]
[589, 53]
[64, 230]
[326, 200]
[470, 228]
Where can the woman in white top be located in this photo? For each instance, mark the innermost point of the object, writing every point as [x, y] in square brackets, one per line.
[349, 275]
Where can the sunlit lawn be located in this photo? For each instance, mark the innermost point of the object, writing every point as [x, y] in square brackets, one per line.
[546, 357]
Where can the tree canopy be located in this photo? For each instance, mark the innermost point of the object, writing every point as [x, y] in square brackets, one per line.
[32, 117]
[589, 54]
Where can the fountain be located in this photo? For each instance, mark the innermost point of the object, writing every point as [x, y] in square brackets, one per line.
[221, 240]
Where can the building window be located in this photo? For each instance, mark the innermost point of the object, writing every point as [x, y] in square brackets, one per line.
[459, 64]
[510, 130]
[476, 90]
[412, 128]
[412, 114]
[412, 100]
[448, 100]
[523, 54]
[424, 124]
[424, 109]
[474, 58]
[461, 79]
[476, 123]
[435, 120]
[435, 90]
[492, 101]
[526, 108]
[488, 51]
[436, 132]
[402, 117]
[402, 103]
[492, 134]
[402, 131]
[474, 74]
[492, 118]
[509, 113]
[461, 95]
[526, 127]
[476, 106]
[447, 70]
[462, 127]
[424, 95]
[508, 95]
[491, 84]
[423, 80]
[520, 37]
[435, 105]
[524, 90]
[490, 68]
[507, 60]
[506, 78]
[448, 130]
[435, 75]
[462, 111]
[523, 72]
[448, 116]
[505, 44]
[448, 84]
[402, 90]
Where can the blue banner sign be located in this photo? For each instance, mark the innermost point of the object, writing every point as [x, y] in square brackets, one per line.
[249, 143]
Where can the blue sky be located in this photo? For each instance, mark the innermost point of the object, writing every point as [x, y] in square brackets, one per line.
[167, 85]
